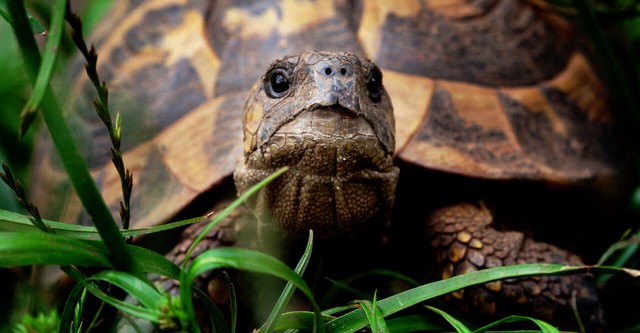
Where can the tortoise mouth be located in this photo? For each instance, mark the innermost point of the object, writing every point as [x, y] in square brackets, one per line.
[329, 140]
[341, 181]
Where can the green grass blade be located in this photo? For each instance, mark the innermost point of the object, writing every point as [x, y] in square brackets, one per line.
[153, 262]
[212, 310]
[12, 221]
[147, 295]
[339, 285]
[69, 310]
[232, 301]
[151, 315]
[458, 325]
[242, 259]
[39, 248]
[298, 320]
[286, 294]
[36, 27]
[414, 323]
[73, 162]
[356, 319]
[338, 309]
[46, 67]
[244, 196]
[544, 326]
[374, 317]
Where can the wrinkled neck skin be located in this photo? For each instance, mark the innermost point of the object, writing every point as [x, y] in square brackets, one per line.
[338, 145]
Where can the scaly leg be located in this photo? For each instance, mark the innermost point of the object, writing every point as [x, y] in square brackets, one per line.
[464, 241]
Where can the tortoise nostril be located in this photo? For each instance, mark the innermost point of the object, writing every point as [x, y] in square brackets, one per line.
[328, 71]
[343, 71]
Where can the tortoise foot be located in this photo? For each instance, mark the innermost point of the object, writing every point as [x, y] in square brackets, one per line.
[464, 241]
[225, 234]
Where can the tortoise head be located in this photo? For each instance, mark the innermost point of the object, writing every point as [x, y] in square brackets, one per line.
[328, 118]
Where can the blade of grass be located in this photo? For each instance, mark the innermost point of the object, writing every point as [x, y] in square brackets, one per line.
[36, 27]
[39, 248]
[69, 310]
[73, 162]
[544, 326]
[212, 310]
[298, 320]
[233, 302]
[356, 319]
[374, 317]
[153, 262]
[414, 323]
[244, 196]
[344, 283]
[12, 221]
[286, 294]
[46, 67]
[147, 295]
[455, 323]
[128, 308]
[242, 259]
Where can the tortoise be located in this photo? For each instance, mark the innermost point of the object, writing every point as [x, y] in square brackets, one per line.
[485, 134]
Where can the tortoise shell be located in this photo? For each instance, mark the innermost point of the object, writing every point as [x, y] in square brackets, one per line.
[490, 89]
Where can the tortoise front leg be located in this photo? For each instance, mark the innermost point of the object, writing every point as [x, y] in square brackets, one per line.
[232, 231]
[464, 241]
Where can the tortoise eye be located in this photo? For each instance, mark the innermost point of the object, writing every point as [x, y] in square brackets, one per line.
[277, 83]
[374, 85]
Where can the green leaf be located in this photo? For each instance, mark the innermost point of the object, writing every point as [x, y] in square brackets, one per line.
[301, 320]
[459, 326]
[374, 317]
[356, 319]
[36, 27]
[39, 248]
[46, 67]
[233, 302]
[286, 294]
[345, 283]
[147, 295]
[414, 323]
[244, 196]
[212, 310]
[17, 222]
[69, 311]
[151, 315]
[544, 326]
[242, 259]
[155, 263]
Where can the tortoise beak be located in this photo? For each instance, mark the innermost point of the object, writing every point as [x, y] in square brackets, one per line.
[336, 85]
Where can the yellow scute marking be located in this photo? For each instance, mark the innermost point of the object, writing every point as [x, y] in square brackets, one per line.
[188, 41]
[373, 18]
[532, 98]
[252, 120]
[187, 147]
[582, 86]
[453, 8]
[410, 97]
[295, 16]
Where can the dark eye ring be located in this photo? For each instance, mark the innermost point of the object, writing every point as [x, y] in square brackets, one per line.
[277, 83]
[374, 85]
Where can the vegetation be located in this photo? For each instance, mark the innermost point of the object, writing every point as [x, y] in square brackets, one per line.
[103, 264]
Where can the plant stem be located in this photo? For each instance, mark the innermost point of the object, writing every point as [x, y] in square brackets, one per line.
[73, 162]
